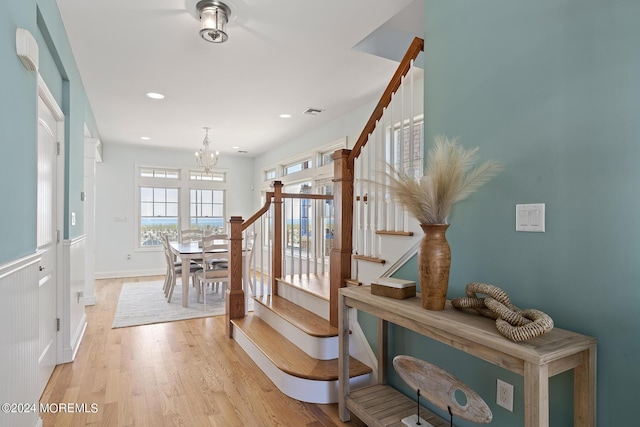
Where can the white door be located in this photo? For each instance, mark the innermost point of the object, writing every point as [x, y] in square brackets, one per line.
[47, 241]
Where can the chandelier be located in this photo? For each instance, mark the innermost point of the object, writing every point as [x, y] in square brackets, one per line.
[214, 16]
[205, 158]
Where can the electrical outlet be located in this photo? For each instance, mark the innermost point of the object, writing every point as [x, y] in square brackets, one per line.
[504, 395]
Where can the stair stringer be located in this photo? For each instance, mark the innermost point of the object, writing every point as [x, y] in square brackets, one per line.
[407, 246]
[396, 251]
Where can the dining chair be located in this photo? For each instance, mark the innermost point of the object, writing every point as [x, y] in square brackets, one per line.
[174, 269]
[171, 264]
[221, 261]
[441, 389]
[215, 265]
[189, 235]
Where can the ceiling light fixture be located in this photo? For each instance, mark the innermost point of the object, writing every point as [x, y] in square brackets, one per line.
[214, 16]
[145, 138]
[205, 158]
[285, 116]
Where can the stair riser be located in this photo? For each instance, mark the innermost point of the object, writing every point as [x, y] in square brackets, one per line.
[317, 347]
[321, 392]
[304, 299]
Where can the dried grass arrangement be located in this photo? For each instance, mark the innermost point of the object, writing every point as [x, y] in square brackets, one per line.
[449, 177]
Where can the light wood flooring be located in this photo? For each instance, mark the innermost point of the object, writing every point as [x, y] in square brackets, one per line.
[184, 373]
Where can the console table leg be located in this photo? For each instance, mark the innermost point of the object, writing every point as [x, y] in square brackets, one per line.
[343, 360]
[584, 389]
[536, 395]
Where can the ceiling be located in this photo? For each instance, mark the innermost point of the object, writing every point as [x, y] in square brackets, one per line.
[282, 56]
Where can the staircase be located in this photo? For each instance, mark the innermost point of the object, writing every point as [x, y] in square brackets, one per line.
[294, 344]
[292, 334]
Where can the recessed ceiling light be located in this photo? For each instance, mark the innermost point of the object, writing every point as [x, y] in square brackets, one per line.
[145, 138]
[235, 148]
[154, 95]
[285, 116]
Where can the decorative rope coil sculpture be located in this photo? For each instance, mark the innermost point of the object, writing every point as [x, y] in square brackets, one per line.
[512, 322]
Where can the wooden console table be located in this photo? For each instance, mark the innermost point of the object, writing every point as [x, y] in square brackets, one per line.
[536, 359]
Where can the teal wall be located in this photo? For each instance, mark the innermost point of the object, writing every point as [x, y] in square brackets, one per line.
[18, 109]
[551, 89]
[17, 135]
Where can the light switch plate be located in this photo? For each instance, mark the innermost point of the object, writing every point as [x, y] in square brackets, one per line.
[530, 217]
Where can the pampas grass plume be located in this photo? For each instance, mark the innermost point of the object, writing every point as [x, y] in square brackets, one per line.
[449, 177]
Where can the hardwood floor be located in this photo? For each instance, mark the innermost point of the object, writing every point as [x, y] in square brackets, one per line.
[184, 373]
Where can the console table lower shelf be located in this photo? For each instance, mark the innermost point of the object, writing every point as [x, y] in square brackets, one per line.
[383, 406]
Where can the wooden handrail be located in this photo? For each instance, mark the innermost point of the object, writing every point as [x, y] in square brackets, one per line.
[269, 196]
[340, 257]
[257, 215]
[343, 185]
[307, 196]
[235, 294]
[417, 46]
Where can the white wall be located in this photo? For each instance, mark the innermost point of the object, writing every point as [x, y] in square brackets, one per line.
[115, 178]
[116, 198]
[349, 125]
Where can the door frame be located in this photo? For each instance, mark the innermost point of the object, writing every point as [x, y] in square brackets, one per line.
[47, 97]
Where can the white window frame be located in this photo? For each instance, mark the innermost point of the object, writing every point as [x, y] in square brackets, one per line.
[224, 200]
[320, 175]
[184, 184]
[315, 172]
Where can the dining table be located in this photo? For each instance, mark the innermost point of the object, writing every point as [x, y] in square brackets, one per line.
[188, 252]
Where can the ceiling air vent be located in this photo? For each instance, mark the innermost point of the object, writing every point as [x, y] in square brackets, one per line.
[313, 111]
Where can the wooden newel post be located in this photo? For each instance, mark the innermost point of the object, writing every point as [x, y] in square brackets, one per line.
[235, 294]
[276, 268]
[340, 258]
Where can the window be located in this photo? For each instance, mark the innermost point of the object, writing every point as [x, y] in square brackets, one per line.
[296, 214]
[408, 139]
[270, 174]
[206, 209]
[326, 158]
[296, 167]
[160, 173]
[173, 199]
[196, 175]
[158, 214]
[304, 166]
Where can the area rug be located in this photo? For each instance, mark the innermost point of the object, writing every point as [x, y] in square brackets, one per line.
[143, 303]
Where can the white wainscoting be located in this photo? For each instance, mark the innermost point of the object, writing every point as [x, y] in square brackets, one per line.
[19, 338]
[71, 308]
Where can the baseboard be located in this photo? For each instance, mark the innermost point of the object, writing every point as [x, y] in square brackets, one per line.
[79, 335]
[69, 352]
[130, 273]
